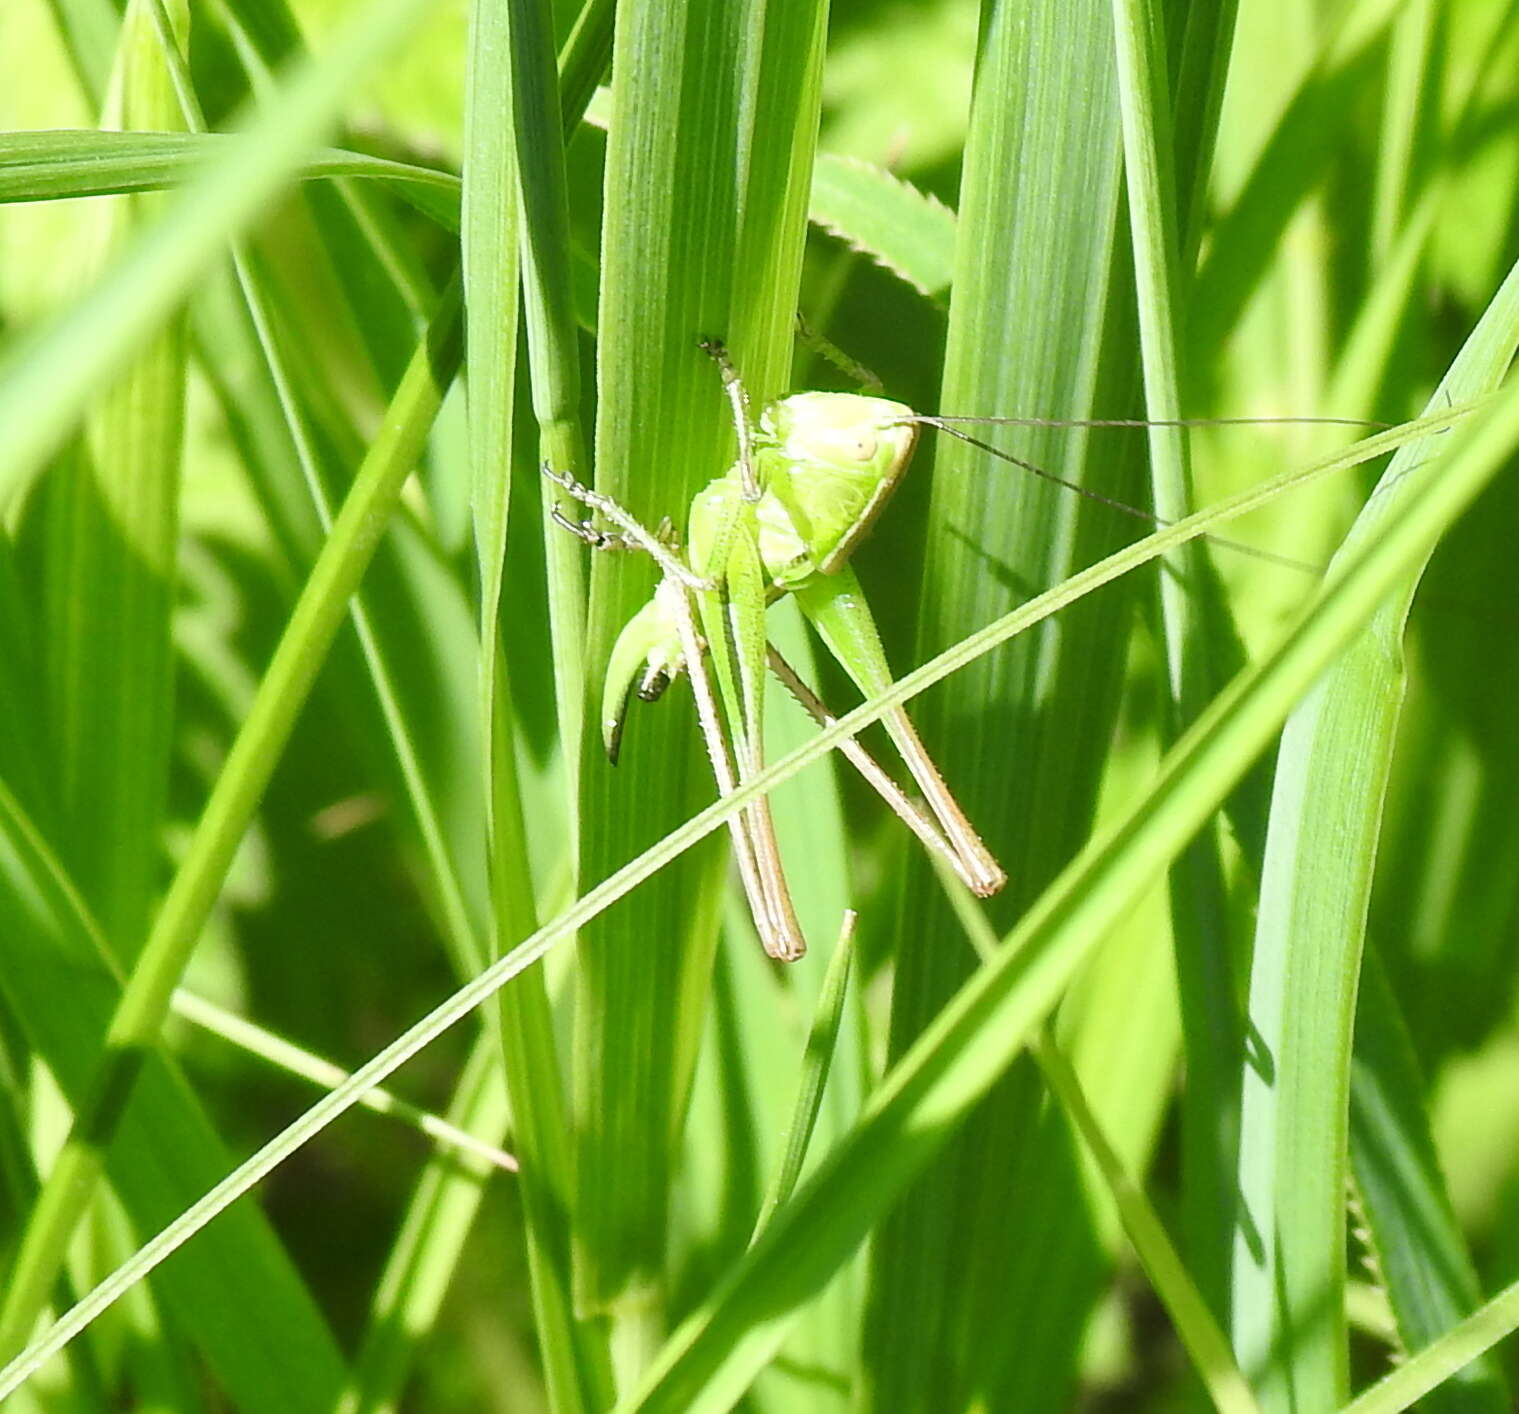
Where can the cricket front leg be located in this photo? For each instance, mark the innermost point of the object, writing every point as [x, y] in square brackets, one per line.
[836, 606]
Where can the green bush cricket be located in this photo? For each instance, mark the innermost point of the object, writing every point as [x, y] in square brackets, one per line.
[811, 476]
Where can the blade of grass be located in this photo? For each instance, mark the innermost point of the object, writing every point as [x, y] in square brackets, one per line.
[58, 164]
[1202, 650]
[515, 151]
[1034, 304]
[1201, 73]
[584, 58]
[1406, 124]
[552, 338]
[112, 528]
[714, 121]
[1406, 1217]
[815, 1063]
[1289, 1318]
[655, 433]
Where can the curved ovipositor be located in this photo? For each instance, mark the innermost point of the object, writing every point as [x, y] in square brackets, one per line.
[646, 658]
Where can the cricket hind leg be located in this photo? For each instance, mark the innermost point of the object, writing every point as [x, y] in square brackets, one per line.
[902, 805]
[836, 608]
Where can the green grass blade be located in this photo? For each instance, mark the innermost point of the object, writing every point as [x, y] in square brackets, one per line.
[659, 418]
[516, 147]
[1200, 77]
[1202, 650]
[490, 272]
[1406, 123]
[552, 337]
[1289, 1321]
[1033, 307]
[111, 534]
[58, 164]
[1405, 1216]
[707, 104]
[584, 58]
[816, 1062]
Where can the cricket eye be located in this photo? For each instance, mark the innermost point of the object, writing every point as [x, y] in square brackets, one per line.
[857, 446]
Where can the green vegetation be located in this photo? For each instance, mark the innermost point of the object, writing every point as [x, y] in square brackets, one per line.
[300, 691]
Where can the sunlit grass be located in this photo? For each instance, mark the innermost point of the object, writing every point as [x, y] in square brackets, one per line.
[329, 810]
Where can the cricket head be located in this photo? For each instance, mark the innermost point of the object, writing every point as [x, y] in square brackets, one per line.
[847, 432]
[830, 462]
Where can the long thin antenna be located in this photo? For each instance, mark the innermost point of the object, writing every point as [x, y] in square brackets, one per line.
[938, 419]
[1112, 503]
